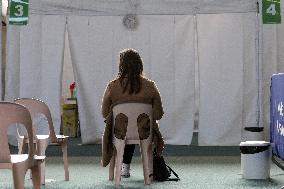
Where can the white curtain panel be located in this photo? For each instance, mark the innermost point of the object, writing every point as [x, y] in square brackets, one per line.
[172, 60]
[251, 100]
[34, 61]
[166, 44]
[228, 86]
[12, 80]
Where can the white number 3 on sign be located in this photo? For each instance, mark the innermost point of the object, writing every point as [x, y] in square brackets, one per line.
[20, 10]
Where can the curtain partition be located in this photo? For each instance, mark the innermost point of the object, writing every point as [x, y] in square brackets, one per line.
[194, 48]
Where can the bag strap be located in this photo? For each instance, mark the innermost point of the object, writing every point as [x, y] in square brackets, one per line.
[176, 175]
[171, 170]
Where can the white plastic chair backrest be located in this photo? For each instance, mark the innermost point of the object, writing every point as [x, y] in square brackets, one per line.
[36, 107]
[10, 114]
[132, 111]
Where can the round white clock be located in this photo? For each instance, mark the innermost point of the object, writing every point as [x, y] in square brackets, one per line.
[130, 21]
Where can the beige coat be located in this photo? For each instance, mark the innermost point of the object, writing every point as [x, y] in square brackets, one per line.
[114, 95]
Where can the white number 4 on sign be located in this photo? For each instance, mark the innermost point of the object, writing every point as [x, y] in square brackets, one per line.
[271, 10]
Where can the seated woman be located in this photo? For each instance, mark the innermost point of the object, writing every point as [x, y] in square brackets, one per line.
[130, 86]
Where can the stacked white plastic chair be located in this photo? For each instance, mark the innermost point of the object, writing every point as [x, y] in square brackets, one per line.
[10, 115]
[35, 108]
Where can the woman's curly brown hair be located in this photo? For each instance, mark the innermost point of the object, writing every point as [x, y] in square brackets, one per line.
[130, 67]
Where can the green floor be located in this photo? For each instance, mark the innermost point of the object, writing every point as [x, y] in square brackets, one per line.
[204, 172]
[204, 167]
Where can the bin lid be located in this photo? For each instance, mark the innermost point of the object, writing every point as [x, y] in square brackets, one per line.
[255, 143]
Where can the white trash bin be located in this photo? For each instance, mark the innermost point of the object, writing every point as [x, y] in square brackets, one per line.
[255, 159]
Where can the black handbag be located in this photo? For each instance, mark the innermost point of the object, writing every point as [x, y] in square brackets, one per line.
[161, 171]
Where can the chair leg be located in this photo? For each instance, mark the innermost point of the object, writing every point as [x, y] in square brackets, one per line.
[65, 159]
[150, 159]
[19, 178]
[36, 174]
[144, 146]
[111, 167]
[40, 150]
[36, 147]
[119, 145]
[41, 169]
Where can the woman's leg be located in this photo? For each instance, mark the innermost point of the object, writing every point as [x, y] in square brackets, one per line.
[127, 157]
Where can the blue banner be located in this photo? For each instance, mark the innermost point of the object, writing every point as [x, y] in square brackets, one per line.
[277, 114]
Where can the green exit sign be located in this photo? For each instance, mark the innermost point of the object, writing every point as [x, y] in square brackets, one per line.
[19, 12]
[271, 12]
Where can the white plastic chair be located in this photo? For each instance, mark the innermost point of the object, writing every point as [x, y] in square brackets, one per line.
[11, 114]
[132, 111]
[36, 107]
